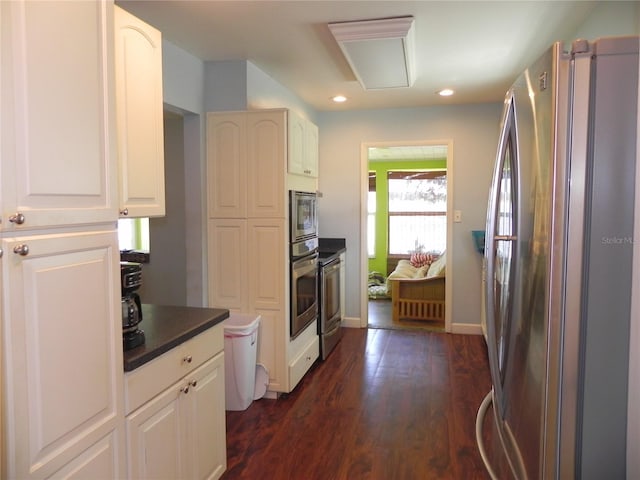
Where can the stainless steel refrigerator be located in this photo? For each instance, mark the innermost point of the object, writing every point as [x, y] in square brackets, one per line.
[558, 265]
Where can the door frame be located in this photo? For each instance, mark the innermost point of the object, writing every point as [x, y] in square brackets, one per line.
[364, 257]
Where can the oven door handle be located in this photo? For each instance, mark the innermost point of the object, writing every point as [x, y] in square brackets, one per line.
[305, 265]
[331, 266]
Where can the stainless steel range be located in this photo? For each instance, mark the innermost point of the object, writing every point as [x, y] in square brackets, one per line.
[330, 318]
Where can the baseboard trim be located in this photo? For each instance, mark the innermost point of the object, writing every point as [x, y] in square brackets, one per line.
[466, 329]
[351, 322]
[456, 328]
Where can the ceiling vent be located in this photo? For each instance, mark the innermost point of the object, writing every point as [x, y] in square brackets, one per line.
[380, 52]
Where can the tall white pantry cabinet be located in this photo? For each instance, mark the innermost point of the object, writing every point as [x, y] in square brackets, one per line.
[62, 412]
[253, 160]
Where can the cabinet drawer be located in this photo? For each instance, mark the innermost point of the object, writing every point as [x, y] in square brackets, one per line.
[150, 379]
[303, 362]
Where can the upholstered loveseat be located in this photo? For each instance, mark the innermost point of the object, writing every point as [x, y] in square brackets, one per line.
[417, 292]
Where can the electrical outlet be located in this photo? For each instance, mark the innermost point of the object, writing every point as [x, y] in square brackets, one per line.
[457, 216]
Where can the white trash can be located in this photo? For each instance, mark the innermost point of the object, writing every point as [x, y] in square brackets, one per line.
[240, 355]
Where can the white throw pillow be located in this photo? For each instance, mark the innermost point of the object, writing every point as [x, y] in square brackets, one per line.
[437, 268]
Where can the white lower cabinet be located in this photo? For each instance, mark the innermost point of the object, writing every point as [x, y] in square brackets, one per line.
[180, 432]
[62, 392]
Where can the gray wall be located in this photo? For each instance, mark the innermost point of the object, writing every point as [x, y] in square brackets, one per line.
[164, 276]
[473, 132]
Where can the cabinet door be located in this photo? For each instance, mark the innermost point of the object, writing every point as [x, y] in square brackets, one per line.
[269, 295]
[156, 437]
[138, 67]
[207, 452]
[273, 335]
[295, 159]
[227, 165]
[266, 160]
[62, 349]
[58, 133]
[95, 462]
[227, 250]
[267, 247]
[311, 150]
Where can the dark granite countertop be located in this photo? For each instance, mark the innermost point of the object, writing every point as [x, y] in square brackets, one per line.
[330, 248]
[167, 326]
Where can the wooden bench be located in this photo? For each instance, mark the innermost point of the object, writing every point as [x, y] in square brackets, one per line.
[415, 297]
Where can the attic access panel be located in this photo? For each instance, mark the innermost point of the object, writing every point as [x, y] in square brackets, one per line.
[380, 52]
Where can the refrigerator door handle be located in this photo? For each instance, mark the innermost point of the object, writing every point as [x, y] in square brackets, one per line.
[505, 238]
[507, 134]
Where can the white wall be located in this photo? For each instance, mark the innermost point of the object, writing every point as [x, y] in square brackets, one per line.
[473, 131]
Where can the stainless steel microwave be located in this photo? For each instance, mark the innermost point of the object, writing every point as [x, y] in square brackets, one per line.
[303, 215]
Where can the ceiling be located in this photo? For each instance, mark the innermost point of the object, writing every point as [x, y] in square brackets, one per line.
[476, 48]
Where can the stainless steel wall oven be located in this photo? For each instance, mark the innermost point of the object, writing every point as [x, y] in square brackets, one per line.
[303, 215]
[304, 293]
[303, 260]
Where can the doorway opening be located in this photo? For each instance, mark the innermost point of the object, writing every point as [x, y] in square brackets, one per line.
[407, 202]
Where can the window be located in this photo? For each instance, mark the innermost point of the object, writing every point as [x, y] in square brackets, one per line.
[371, 218]
[133, 234]
[417, 211]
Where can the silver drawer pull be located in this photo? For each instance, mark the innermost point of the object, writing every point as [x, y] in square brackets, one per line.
[17, 218]
[21, 249]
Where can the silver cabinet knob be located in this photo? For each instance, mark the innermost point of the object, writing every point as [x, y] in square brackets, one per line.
[17, 218]
[185, 389]
[193, 383]
[187, 359]
[124, 212]
[21, 249]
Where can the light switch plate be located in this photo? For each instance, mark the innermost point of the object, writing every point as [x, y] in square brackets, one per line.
[457, 216]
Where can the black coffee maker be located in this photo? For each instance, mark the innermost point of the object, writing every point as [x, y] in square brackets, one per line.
[131, 278]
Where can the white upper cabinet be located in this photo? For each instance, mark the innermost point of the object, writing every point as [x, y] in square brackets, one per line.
[227, 165]
[303, 146]
[138, 67]
[266, 160]
[311, 149]
[58, 154]
[246, 159]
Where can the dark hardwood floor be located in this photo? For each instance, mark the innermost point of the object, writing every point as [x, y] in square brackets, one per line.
[386, 404]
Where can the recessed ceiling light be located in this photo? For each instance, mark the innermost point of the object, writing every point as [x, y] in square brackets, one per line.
[446, 92]
[339, 98]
